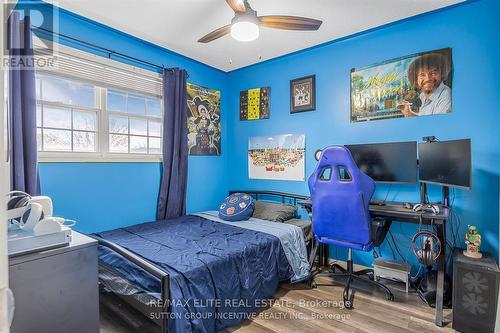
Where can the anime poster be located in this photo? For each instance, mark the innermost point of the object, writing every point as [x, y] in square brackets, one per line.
[204, 127]
[277, 157]
[411, 86]
[254, 103]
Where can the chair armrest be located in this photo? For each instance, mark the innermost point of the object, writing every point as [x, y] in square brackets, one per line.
[380, 227]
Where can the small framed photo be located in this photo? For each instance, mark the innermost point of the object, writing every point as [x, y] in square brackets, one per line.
[303, 94]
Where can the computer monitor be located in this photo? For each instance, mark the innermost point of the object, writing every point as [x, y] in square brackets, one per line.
[446, 163]
[394, 162]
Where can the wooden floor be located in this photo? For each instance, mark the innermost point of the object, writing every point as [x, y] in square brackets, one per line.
[300, 309]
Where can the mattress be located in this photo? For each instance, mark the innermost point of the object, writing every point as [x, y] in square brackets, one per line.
[305, 226]
[219, 272]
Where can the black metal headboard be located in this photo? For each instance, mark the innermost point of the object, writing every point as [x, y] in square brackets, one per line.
[284, 196]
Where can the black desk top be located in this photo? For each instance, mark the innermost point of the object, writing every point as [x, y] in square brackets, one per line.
[397, 211]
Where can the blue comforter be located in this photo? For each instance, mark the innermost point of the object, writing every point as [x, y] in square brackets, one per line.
[219, 273]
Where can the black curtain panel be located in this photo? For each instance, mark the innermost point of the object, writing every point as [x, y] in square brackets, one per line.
[172, 196]
[22, 107]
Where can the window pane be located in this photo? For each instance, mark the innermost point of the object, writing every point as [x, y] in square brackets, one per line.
[39, 139]
[83, 95]
[56, 118]
[84, 121]
[138, 144]
[56, 140]
[83, 141]
[154, 146]
[136, 104]
[116, 101]
[67, 92]
[153, 107]
[154, 128]
[38, 116]
[138, 126]
[118, 143]
[118, 124]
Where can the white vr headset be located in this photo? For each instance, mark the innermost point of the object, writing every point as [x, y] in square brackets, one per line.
[33, 213]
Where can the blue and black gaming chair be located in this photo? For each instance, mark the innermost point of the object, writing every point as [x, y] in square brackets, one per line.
[340, 195]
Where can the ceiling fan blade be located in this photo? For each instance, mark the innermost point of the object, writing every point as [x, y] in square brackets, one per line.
[218, 33]
[289, 22]
[237, 5]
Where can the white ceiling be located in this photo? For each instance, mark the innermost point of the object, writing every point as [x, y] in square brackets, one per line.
[178, 24]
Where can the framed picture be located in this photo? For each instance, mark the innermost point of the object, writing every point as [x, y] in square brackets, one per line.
[415, 85]
[303, 94]
[255, 103]
[204, 127]
[277, 157]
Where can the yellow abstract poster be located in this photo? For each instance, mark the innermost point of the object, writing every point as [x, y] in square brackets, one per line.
[255, 103]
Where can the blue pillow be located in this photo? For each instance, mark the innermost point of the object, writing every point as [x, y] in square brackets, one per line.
[236, 207]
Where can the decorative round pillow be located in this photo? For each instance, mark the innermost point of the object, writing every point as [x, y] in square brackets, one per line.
[236, 207]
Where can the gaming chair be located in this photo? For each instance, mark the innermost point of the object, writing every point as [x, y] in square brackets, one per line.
[340, 195]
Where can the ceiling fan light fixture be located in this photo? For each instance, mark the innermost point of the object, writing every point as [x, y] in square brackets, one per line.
[245, 26]
[245, 31]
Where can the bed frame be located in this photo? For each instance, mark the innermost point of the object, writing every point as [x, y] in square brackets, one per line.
[164, 309]
[285, 197]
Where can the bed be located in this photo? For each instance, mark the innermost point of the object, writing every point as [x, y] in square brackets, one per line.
[197, 273]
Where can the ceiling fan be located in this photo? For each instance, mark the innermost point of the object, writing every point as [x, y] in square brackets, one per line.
[245, 23]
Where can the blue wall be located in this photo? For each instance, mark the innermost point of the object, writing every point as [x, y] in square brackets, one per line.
[107, 195]
[471, 30]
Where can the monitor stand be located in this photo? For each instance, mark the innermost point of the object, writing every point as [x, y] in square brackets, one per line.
[423, 193]
[446, 196]
[445, 191]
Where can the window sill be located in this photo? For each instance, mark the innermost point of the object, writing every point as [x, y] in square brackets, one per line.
[50, 157]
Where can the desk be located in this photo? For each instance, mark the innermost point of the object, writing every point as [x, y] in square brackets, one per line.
[395, 211]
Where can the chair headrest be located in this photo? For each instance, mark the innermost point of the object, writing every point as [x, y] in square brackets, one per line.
[337, 156]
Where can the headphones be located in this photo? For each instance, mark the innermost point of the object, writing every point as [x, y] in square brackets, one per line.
[33, 214]
[17, 199]
[20, 199]
[426, 254]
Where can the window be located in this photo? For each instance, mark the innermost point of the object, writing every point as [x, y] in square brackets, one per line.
[134, 123]
[78, 117]
[67, 113]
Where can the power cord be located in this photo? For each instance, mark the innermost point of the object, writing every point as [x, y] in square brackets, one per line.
[396, 245]
[392, 250]
[387, 194]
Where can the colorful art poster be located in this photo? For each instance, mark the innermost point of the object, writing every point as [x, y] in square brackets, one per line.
[204, 127]
[411, 86]
[279, 157]
[255, 103]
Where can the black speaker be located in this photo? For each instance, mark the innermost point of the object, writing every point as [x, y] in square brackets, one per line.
[475, 292]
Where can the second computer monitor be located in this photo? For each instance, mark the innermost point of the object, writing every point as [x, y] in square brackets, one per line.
[394, 162]
[446, 163]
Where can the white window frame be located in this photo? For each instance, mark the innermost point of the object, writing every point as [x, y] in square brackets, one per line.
[102, 132]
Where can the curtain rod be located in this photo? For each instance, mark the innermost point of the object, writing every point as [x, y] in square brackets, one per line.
[106, 50]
